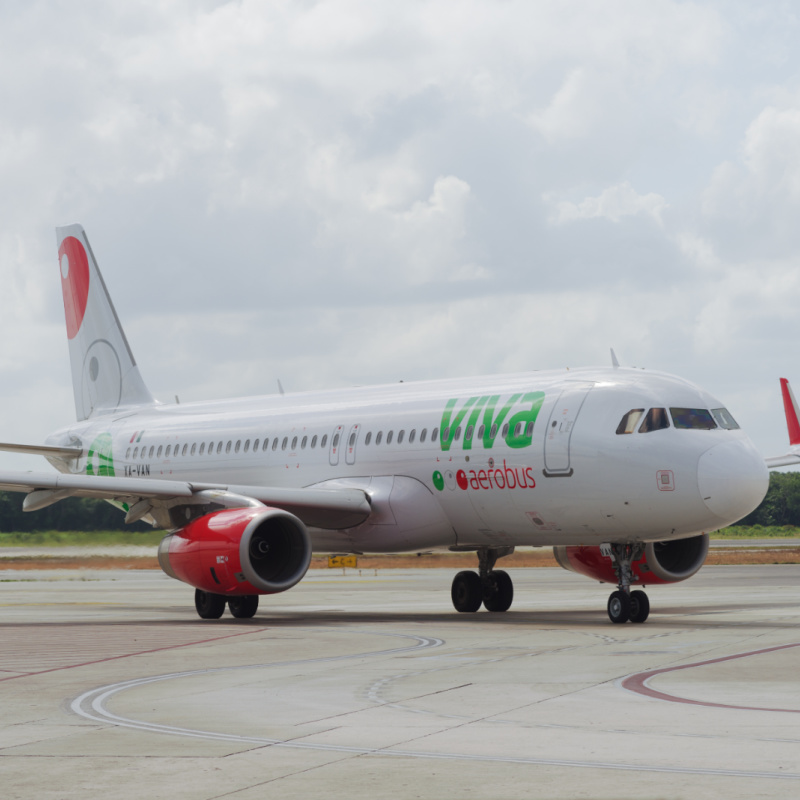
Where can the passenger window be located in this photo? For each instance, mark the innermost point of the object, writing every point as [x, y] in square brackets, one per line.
[493, 432]
[228, 446]
[505, 430]
[468, 434]
[284, 442]
[265, 445]
[389, 437]
[294, 444]
[166, 452]
[368, 438]
[655, 420]
[412, 436]
[313, 441]
[128, 453]
[724, 419]
[696, 418]
[135, 453]
[629, 421]
[529, 429]
[458, 433]
[324, 441]
[446, 434]
[183, 452]
[194, 447]
[423, 435]
[379, 437]
[219, 448]
[255, 445]
[238, 445]
[304, 443]
[435, 435]
[246, 445]
[275, 443]
[400, 437]
[518, 429]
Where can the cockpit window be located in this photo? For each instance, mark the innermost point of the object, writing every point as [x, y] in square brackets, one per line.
[656, 420]
[724, 419]
[697, 418]
[629, 422]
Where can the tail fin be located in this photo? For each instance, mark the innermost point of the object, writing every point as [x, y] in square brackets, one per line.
[790, 409]
[104, 372]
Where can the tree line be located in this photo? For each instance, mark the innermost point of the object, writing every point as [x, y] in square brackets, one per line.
[780, 507]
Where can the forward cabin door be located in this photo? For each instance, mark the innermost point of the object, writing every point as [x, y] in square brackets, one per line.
[559, 429]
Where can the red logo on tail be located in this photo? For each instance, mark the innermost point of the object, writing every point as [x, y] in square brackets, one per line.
[74, 282]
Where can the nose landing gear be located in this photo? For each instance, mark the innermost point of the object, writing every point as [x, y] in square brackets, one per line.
[493, 588]
[624, 604]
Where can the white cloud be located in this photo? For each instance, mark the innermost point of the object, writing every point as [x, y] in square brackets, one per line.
[613, 203]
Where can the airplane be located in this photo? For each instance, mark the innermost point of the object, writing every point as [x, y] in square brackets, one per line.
[623, 471]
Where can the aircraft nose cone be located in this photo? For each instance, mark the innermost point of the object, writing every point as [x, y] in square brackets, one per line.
[733, 479]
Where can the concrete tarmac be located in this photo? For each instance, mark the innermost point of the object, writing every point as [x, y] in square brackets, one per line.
[371, 686]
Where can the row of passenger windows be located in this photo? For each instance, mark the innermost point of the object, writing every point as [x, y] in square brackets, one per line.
[200, 449]
[179, 451]
[657, 419]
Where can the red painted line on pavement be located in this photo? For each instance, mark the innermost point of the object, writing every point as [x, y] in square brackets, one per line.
[638, 682]
[129, 655]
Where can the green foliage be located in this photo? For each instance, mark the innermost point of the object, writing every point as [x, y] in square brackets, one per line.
[72, 514]
[79, 538]
[757, 532]
[781, 506]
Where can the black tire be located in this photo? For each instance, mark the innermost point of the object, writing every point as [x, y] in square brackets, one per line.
[640, 606]
[208, 605]
[503, 595]
[467, 592]
[243, 607]
[619, 607]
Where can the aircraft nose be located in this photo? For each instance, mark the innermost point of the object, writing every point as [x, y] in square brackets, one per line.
[733, 479]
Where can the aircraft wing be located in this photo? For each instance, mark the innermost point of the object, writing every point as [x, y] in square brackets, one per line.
[317, 507]
[793, 427]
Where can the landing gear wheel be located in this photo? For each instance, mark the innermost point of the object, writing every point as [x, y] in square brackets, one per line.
[619, 607]
[640, 606]
[500, 599]
[467, 591]
[243, 607]
[208, 605]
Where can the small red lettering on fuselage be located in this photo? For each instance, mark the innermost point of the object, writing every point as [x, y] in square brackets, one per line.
[505, 478]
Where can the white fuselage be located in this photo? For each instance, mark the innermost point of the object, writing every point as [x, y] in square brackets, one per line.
[437, 473]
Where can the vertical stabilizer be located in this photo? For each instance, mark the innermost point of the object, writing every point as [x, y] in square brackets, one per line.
[104, 373]
[790, 409]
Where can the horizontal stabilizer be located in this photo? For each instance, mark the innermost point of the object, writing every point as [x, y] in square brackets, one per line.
[42, 450]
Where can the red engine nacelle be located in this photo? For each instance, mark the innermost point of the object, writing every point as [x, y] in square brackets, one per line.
[662, 562]
[238, 551]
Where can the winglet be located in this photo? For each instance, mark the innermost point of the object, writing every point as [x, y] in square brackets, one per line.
[790, 409]
[614, 362]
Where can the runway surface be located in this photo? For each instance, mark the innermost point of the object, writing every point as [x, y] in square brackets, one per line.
[370, 685]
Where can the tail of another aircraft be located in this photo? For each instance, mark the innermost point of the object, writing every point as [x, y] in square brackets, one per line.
[105, 377]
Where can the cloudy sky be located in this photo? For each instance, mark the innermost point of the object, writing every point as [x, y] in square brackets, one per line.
[347, 192]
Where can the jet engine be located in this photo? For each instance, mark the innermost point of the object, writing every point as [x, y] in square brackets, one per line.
[661, 562]
[238, 551]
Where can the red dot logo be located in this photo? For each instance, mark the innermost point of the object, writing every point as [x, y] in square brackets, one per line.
[74, 282]
[461, 478]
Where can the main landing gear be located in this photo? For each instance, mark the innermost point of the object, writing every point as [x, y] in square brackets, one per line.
[490, 586]
[212, 606]
[624, 604]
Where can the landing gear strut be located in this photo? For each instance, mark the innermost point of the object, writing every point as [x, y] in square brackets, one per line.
[624, 604]
[491, 587]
